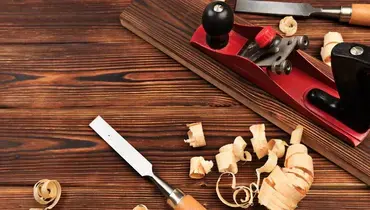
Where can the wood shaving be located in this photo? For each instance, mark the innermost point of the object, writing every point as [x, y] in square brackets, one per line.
[288, 26]
[270, 163]
[199, 167]
[281, 183]
[248, 191]
[291, 183]
[283, 188]
[230, 154]
[299, 173]
[330, 40]
[207, 165]
[247, 156]
[277, 146]
[227, 148]
[196, 135]
[296, 136]
[238, 149]
[278, 199]
[301, 161]
[45, 192]
[226, 162]
[298, 182]
[259, 141]
[295, 149]
[268, 166]
[140, 207]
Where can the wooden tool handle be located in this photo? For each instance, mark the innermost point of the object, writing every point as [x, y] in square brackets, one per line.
[189, 203]
[360, 14]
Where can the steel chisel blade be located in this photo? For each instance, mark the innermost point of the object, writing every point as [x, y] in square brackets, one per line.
[122, 147]
[275, 8]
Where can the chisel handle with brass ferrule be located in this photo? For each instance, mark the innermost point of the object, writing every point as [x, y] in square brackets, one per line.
[176, 198]
[357, 14]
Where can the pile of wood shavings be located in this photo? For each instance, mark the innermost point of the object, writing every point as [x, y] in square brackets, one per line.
[283, 188]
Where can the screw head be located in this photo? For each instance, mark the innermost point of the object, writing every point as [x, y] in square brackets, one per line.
[357, 50]
[218, 8]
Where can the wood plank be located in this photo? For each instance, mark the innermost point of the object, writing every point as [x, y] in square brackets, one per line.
[30, 135]
[106, 197]
[135, 71]
[67, 12]
[169, 28]
[53, 22]
[58, 144]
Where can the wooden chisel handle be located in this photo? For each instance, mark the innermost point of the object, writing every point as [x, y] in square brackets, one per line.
[187, 203]
[360, 14]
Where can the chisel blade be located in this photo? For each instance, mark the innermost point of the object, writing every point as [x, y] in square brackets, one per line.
[275, 8]
[122, 147]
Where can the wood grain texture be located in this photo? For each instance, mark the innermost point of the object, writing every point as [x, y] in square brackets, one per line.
[170, 29]
[64, 62]
[42, 143]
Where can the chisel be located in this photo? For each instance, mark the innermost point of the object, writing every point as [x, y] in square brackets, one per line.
[176, 198]
[357, 14]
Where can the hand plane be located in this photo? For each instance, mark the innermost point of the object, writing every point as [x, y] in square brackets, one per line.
[340, 105]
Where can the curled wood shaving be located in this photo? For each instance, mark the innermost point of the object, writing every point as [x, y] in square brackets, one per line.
[277, 146]
[227, 148]
[248, 191]
[226, 162]
[45, 192]
[330, 40]
[268, 166]
[285, 188]
[296, 136]
[298, 182]
[281, 183]
[247, 156]
[278, 199]
[299, 173]
[301, 161]
[288, 26]
[140, 207]
[230, 154]
[270, 163]
[259, 141]
[295, 149]
[199, 167]
[207, 165]
[196, 135]
[239, 147]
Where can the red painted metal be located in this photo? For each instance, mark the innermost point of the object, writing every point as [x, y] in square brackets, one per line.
[290, 89]
[265, 36]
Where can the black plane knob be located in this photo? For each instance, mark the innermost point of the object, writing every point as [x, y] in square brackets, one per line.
[218, 20]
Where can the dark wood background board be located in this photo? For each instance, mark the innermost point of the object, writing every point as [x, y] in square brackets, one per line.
[64, 62]
[170, 28]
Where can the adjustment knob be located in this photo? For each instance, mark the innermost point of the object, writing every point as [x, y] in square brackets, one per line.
[265, 36]
[217, 20]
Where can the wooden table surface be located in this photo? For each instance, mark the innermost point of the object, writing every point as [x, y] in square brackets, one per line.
[62, 63]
